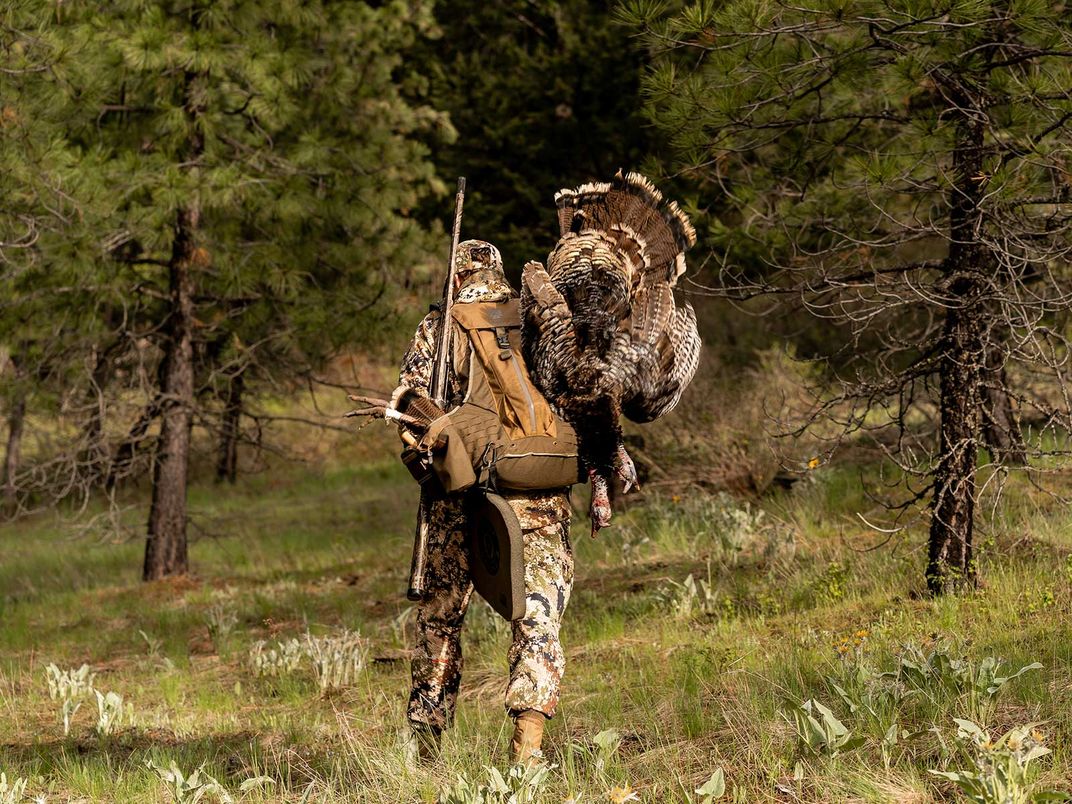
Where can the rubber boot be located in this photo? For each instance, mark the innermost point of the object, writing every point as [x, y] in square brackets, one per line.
[528, 735]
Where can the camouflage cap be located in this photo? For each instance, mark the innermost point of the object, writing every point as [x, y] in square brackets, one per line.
[477, 255]
[479, 270]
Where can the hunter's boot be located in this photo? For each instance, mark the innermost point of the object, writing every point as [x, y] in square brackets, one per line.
[422, 747]
[528, 735]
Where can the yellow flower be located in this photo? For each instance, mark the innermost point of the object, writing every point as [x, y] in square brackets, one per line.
[675, 498]
[813, 463]
[619, 795]
[863, 633]
[1038, 736]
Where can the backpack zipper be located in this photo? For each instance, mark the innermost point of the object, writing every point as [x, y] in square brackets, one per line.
[525, 390]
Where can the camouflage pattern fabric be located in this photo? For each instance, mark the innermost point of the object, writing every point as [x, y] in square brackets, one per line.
[436, 666]
[416, 371]
[535, 657]
[477, 255]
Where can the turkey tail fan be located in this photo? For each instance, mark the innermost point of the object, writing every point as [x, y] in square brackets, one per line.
[577, 207]
[651, 233]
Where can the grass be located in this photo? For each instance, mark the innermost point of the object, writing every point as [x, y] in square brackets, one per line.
[790, 605]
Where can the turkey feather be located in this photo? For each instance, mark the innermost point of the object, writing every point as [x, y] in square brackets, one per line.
[602, 332]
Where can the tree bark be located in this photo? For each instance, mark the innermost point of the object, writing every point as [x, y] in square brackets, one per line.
[1001, 426]
[953, 509]
[227, 462]
[165, 548]
[949, 563]
[16, 417]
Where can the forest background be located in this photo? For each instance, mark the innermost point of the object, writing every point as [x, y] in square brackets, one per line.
[218, 218]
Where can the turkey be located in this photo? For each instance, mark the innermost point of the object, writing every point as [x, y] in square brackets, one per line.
[601, 331]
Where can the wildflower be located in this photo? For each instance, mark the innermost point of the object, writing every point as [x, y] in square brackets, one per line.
[619, 795]
[813, 463]
[675, 498]
[1038, 736]
[863, 633]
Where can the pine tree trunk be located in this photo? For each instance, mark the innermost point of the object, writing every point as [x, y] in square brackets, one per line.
[227, 463]
[1001, 428]
[963, 355]
[165, 548]
[16, 417]
[953, 511]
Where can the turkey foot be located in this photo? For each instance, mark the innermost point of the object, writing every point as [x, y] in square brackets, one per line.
[626, 470]
[599, 510]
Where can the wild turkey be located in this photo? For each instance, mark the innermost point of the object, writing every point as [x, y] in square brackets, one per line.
[601, 332]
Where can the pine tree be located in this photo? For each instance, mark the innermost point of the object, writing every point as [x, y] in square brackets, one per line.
[263, 162]
[364, 127]
[902, 169]
[46, 209]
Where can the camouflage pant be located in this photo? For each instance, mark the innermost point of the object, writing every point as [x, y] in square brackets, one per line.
[535, 657]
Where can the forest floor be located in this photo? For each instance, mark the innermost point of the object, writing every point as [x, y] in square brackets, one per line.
[669, 679]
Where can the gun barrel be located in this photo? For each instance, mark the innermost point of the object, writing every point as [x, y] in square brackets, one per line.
[438, 389]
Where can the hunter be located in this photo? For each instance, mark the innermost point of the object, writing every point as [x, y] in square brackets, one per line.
[536, 659]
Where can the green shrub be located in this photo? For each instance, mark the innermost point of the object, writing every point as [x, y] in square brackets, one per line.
[998, 769]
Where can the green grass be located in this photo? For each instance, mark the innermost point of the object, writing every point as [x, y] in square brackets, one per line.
[303, 549]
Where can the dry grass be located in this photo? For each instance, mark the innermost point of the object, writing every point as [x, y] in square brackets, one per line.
[327, 547]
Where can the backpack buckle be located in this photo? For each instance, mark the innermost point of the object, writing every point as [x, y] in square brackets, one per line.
[502, 338]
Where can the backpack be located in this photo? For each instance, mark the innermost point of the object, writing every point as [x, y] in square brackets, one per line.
[504, 435]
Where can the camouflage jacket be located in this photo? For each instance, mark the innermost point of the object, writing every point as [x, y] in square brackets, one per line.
[534, 509]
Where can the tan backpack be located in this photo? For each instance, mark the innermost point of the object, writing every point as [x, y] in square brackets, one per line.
[504, 434]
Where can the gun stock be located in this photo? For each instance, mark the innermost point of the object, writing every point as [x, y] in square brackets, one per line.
[420, 550]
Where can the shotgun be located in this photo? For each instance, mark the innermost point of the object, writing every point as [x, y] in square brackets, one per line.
[438, 391]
